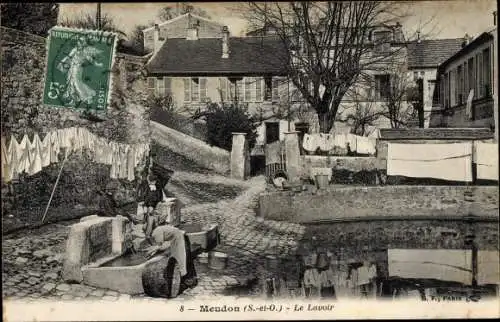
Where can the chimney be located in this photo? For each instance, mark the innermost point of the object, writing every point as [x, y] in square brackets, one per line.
[398, 32]
[192, 33]
[225, 42]
[466, 40]
[157, 40]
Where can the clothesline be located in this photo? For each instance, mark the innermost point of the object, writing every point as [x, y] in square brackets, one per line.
[31, 157]
[347, 142]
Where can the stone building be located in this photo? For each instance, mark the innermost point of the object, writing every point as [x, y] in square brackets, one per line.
[467, 85]
[126, 121]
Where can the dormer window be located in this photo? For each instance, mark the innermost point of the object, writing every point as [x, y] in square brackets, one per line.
[382, 40]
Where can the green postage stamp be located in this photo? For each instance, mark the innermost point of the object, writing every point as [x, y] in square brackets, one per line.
[78, 73]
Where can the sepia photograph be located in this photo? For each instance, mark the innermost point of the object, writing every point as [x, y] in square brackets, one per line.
[249, 160]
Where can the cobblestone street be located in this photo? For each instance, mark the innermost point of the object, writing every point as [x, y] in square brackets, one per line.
[33, 259]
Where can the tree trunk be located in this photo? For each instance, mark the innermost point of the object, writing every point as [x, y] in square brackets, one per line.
[324, 122]
[421, 118]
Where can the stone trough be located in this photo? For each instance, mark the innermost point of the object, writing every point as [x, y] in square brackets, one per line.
[96, 255]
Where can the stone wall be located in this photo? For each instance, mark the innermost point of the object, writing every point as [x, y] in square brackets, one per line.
[126, 121]
[209, 157]
[386, 202]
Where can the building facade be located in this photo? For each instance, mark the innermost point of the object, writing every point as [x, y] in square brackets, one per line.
[178, 28]
[424, 58]
[467, 91]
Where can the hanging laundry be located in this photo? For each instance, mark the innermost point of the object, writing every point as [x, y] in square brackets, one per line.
[24, 155]
[45, 150]
[13, 156]
[442, 264]
[55, 146]
[341, 278]
[110, 148]
[78, 140]
[5, 163]
[312, 282]
[365, 145]
[440, 161]
[327, 278]
[372, 271]
[123, 161]
[64, 138]
[486, 159]
[363, 275]
[131, 163]
[327, 142]
[340, 140]
[115, 166]
[351, 142]
[91, 144]
[35, 156]
[273, 152]
[102, 151]
[353, 282]
[488, 267]
[309, 144]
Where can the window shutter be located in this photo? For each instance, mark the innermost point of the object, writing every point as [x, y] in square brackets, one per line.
[151, 85]
[267, 88]
[160, 86]
[249, 86]
[239, 88]
[168, 86]
[187, 89]
[195, 89]
[275, 94]
[203, 89]
[258, 89]
[466, 81]
[223, 88]
[481, 75]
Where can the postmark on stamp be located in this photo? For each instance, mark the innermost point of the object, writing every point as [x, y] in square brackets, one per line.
[78, 73]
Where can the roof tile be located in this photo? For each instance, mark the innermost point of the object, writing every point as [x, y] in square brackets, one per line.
[248, 55]
[432, 52]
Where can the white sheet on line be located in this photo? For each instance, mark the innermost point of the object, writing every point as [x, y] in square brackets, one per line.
[488, 267]
[439, 161]
[450, 265]
[486, 159]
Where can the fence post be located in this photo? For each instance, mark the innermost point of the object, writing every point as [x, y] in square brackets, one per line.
[239, 156]
[292, 155]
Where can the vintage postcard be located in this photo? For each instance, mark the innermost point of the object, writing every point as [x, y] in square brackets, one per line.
[250, 161]
[78, 68]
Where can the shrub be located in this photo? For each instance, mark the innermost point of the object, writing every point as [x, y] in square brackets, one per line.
[223, 120]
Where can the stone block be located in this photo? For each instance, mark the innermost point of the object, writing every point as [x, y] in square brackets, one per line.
[119, 227]
[293, 159]
[87, 242]
[239, 156]
[171, 209]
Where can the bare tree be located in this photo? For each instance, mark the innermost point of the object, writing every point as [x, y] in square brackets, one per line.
[89, 21]
[403, 102]
[136, 37]
[169, 12]
[329, 45]
[362, 113]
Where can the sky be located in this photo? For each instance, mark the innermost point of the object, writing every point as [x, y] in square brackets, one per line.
[437, 19]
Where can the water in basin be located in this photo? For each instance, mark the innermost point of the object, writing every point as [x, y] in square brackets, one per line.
[191, 228]
[127, 259]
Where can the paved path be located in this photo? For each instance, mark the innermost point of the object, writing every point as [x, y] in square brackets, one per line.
[33, 261]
